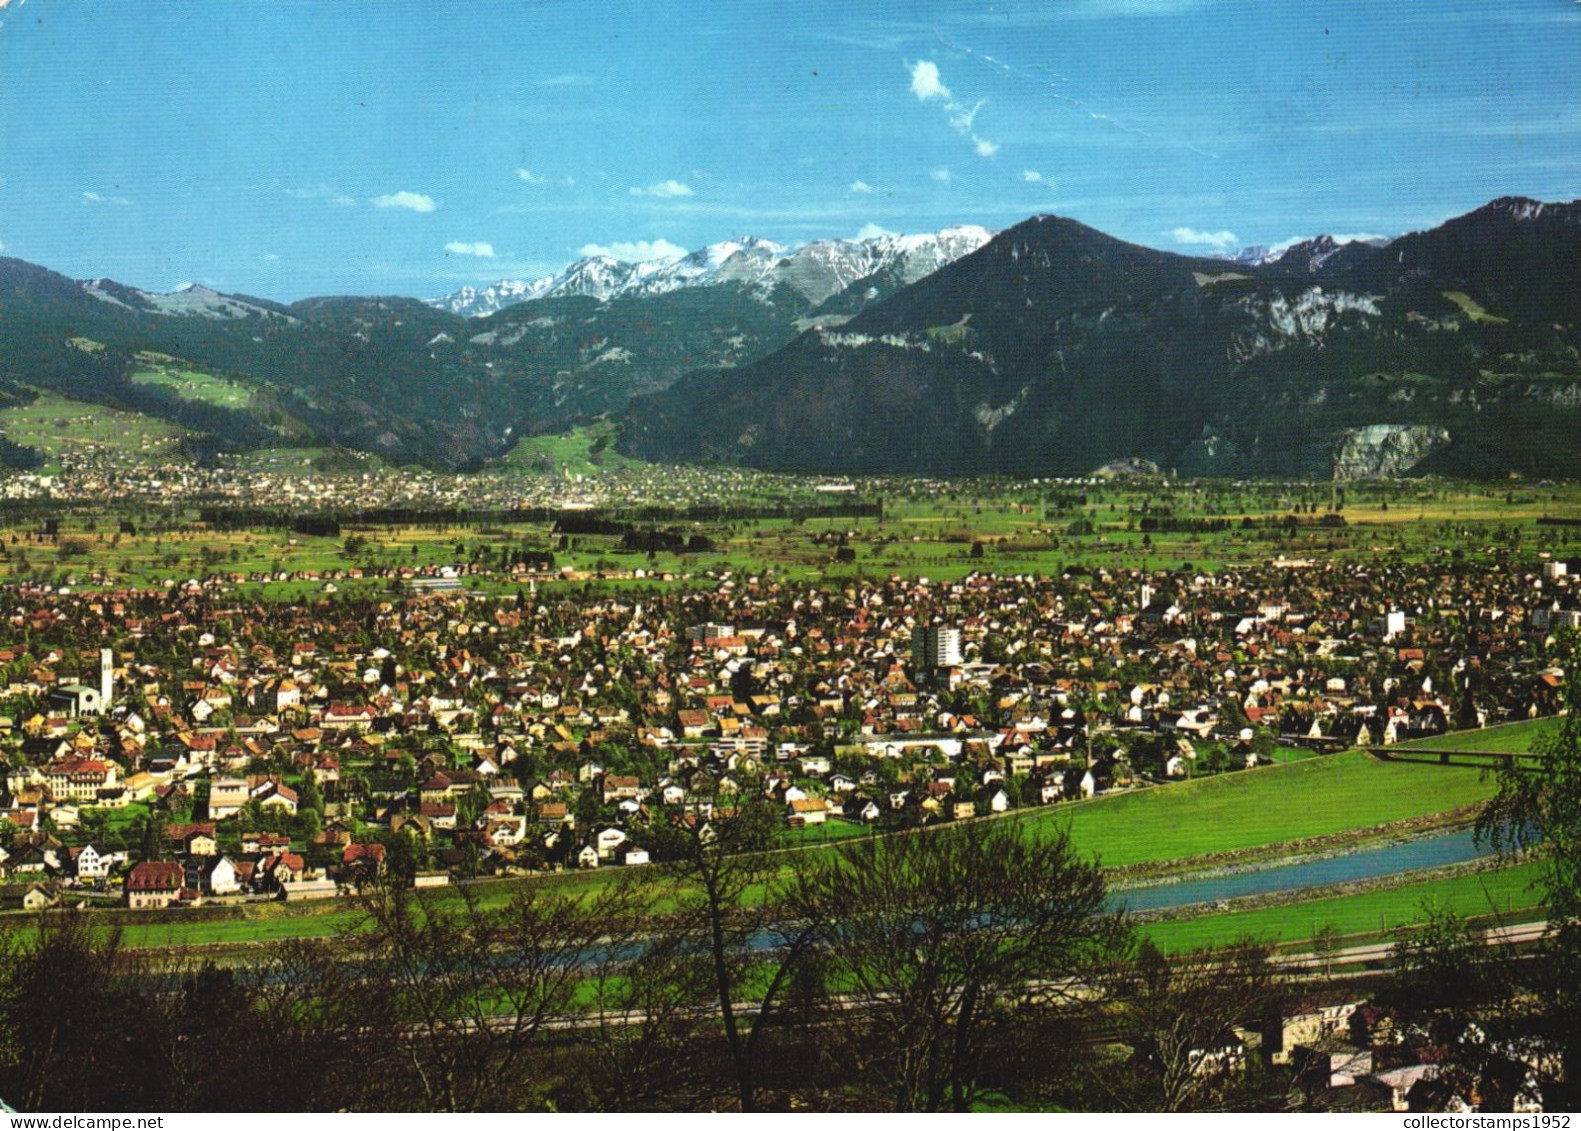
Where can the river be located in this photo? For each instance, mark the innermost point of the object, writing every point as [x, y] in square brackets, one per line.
[1455, 847]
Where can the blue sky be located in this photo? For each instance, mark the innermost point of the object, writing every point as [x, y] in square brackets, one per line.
[292, 148]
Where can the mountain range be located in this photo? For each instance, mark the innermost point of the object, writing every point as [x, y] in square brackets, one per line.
[816, 271]
[423, 382]
[1049, 348]
[1056, 349]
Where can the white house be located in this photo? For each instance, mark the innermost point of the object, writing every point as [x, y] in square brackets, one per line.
[220, 877]
[226, 797]
[607, 841]
[92, 863]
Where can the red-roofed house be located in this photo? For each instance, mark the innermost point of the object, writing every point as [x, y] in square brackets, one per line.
[153, 883]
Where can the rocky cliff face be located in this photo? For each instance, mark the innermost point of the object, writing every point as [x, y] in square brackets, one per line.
[1378, 451]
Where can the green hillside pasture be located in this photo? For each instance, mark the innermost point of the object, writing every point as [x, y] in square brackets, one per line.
[1268, 806]
[1510, 893]
[190, 384]
[1471, 308]
[58, 426]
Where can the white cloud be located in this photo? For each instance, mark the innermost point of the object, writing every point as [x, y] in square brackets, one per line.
[665, 190]
[861, 187]
[566, 80]
[271, 257]
[871, 231]
[962, 118]
[416, 201]
[1220, 240]
[321, 192]
[927, 85]
[528, 177]
[941, 175]
[1033, 177]
[925, 82]
[480, 249]
[635, 251]
[96, 198]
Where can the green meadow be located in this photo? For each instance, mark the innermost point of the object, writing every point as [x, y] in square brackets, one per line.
[1507, 895]
[1249, 809]
[190, 384]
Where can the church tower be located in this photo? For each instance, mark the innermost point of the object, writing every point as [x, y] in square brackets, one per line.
[106, 678]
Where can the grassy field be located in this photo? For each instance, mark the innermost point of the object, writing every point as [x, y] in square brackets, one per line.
[1360, 918]
[829, 832]
[257, 927]
[1514, 738]
[189, 384]
[1284, 754]
[1471, 308]
[1024, 529]
[160, 551]
[1314, 797]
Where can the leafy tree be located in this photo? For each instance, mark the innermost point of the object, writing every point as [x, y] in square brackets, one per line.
[936, 940]
[312, 823]
[153, 838]
[72, 1026]
[718, 869]
[1325, 945]
[308, 796]
[1213, 758]
[476, 990]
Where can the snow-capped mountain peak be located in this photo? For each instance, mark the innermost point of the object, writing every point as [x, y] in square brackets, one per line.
[1308, 253]
[815, 270]
[479, 301]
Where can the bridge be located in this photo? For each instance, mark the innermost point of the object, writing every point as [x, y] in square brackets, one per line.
[1444, 756]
